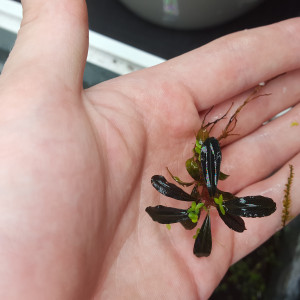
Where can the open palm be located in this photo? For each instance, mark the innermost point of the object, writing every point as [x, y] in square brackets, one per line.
[76, 165]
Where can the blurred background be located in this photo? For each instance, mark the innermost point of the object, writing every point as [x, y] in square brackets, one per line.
[113, 19]
[127, 35]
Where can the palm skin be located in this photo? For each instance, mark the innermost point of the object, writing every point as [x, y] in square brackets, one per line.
[76, 165]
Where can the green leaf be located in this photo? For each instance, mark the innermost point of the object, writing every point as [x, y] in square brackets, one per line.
[193, 217]
[197, 232]
[198, 207]
[223, 176]
[193, 168]
[192, 208]
[198, 145]
[219, 201]
[179, 181]
[222, 210]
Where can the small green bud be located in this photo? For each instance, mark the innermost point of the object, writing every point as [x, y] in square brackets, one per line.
[219, 201]
[198, 150]
[198, 207]
[192, 208]
[197, 232]
[222, 209]
[193, 217]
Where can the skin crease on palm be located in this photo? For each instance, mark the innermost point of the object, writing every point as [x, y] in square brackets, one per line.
[75, 165]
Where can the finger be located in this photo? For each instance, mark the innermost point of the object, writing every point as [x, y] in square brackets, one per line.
[51, 43]
[235, 63]
[261, 153]
[259, 230]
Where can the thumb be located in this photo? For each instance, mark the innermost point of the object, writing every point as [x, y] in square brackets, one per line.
[51, 44]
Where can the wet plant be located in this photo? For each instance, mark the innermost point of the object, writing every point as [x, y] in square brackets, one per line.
[253, 276]
[204, 169]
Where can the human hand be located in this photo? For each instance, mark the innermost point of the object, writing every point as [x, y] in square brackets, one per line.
[76, 165]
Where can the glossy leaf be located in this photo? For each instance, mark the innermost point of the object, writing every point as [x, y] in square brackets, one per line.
[169, 189]
[235, 223]
[195, 193]
[193, 168]
[250, 206]
[211, 157]
[188, 224]
[223, 176]
[202, 134]
[167, 215]
[203, 242]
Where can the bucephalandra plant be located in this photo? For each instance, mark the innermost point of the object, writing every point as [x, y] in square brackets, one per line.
[204, 168]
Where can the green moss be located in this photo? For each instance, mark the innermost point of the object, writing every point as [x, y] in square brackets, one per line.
[285, 215]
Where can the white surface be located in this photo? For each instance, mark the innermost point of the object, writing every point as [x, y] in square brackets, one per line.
[10, 15]
[103, 51]
[118, 57]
